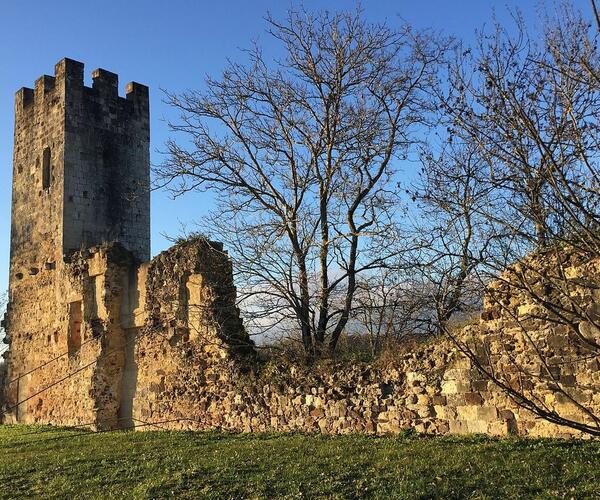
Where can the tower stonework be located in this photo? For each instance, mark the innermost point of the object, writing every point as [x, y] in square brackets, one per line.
[86, 304]
[81, 167]
[106, 164]
[80, 180]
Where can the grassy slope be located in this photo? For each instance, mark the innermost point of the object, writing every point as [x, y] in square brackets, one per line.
[36, 462]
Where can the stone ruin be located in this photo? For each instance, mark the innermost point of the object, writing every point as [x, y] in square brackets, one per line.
[102, 337]
[81, 289]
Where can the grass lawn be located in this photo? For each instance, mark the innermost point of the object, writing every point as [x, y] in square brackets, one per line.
[42, 462]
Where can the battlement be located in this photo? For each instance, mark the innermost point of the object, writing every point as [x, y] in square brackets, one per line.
[45, 84]
[70, 70]
[81, 167]
[69, 78]
[105, 81]
[24, 97]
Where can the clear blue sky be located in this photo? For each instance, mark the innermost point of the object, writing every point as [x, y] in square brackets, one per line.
[171, 44]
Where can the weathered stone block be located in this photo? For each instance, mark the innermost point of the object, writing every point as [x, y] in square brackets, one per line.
[487, 413]
[455, 387]
[473, 398]
[467, 412]
[458, 427]
[477, 426]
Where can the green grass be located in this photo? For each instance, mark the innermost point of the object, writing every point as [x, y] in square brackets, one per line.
[41, 462]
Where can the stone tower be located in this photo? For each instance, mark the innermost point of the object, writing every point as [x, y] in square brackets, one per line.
[99, 335]
[81, 168]
[80, 180]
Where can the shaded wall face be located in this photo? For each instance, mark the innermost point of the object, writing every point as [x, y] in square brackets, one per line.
[107, 166]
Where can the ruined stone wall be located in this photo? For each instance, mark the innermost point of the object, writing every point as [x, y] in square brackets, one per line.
[66, 342]
[85, 362]
[38, 333]
[163, 346]
[186, 383]
[431, 390]
[98, 338]
[539, 334]
[192, 323]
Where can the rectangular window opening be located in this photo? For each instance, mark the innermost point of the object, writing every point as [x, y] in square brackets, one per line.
[46, 169]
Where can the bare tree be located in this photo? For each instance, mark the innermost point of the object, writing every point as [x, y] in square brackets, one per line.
[390, 307]
[456, 239]
[502, 101]
[530, 110]
[301, 154]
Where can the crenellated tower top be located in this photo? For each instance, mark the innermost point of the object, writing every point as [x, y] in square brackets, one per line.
[81, 168]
